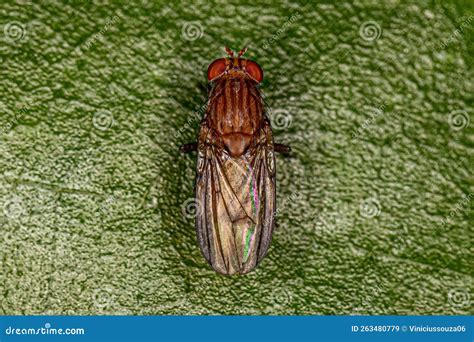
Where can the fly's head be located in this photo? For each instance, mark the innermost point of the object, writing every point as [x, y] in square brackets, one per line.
[234, 67]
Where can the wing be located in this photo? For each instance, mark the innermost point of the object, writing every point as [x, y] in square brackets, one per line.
[237, 202]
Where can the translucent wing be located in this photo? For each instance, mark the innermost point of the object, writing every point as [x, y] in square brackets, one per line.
[236, 197]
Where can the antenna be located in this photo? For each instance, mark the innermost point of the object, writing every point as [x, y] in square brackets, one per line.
[229, 52]
[244, 50]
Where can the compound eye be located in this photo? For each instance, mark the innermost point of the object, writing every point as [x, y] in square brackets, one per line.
[254, 70]
[216, 69]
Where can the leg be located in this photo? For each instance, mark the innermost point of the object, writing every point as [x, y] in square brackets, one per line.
[282, 148]
[189, 147]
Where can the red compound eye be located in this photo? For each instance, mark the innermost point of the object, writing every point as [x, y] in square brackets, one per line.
[254, 70]
[216, 69]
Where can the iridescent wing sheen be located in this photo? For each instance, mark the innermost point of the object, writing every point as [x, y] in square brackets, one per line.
[236, 197]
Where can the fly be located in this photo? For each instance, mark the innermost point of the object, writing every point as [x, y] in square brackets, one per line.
[235, 181]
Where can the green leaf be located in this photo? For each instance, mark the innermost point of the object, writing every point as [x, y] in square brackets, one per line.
[374, 202]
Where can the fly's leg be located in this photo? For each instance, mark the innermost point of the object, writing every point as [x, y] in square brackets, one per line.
[189, 147]
[282, 148]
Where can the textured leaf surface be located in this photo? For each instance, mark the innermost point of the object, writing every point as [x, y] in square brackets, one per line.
[375, 203]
